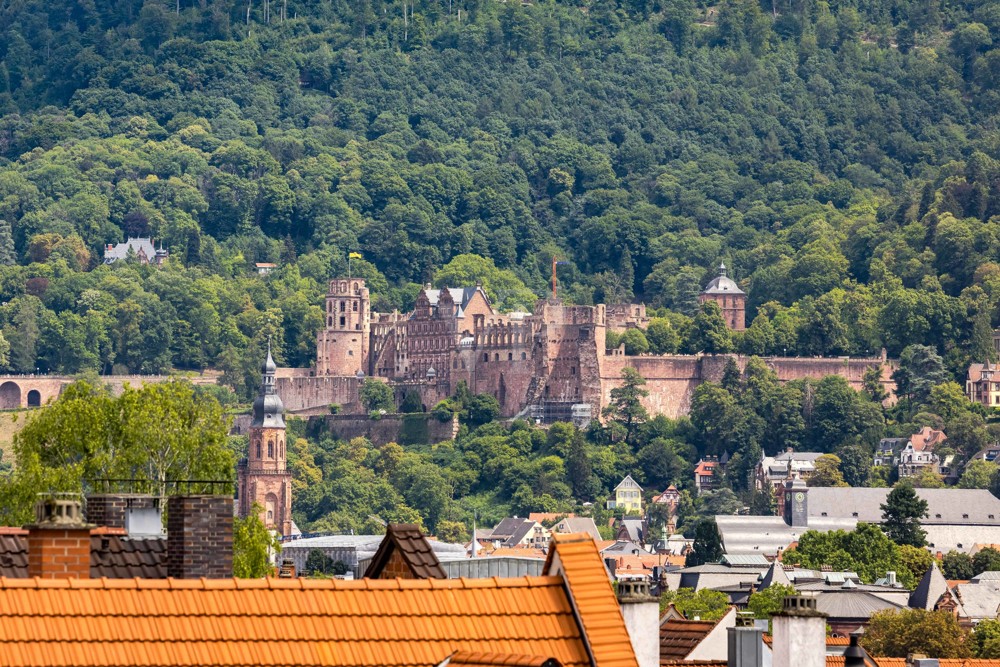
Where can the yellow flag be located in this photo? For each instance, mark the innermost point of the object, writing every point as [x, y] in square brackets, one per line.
[355, 255]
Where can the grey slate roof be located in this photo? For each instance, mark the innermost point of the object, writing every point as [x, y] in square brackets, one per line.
[944, 506]
[775, 575]
[930, 589]
[766, 535]
[989, 575]
[722, 284]
[852, 604]
[506, 528]
[980, 600]
[120, 251]
[635, 529]
[578, 524]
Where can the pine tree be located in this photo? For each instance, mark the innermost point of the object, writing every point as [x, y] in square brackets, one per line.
[707, 546]
[901, 516]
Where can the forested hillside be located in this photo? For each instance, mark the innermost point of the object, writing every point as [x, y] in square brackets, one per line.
[841, 157]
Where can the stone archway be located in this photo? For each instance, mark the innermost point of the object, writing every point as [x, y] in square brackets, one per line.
[34, 399]
[10, 396]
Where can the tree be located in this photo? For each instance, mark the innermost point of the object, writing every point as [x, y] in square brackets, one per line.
[376, 396]
[253, 546]
[707, 547]
[985, 639]
[978, 474]
[916, 560]
[318, 564]
[706, 604]
[920, 370]
[767, 602]
[156, 433]
[901, 514]
[481, 409]
[503, 287]
[865, 550]
[856, 465]
[662, 337]
[957, 565]
[626, 407]
[986, 560]
[709, 332]
[901, 633]
[827, 472]
[635, 342]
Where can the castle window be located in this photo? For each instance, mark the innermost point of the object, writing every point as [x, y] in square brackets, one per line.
[523, 356]
[350, 353]
[355, 306]
[343, 321]
[572, 370]
[496, 357]
[510, 356]
[329, 321]
[270, 449]
[343, 306]
[258, 449]
[486, 356]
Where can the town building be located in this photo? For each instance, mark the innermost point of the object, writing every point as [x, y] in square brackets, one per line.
[704, 474]
[628, 497]
[982, 385]
[265, 268]
[732, 301]
[956, 519]
[774, 470]
[911, 455]
[142, 249]
[263, 477]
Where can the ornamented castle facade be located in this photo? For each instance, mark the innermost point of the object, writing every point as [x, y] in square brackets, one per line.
[547, 365]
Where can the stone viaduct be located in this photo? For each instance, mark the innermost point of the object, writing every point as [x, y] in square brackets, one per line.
[32, 391]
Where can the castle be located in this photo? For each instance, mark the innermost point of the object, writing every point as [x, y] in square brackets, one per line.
[549, 365]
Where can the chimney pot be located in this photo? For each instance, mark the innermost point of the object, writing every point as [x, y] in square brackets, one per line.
[59, 540]
[641, 612]
[799, 633]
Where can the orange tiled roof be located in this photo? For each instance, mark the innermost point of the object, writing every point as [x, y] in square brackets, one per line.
[574, 556]
[570, 616]
[285, 621]
[838, 661]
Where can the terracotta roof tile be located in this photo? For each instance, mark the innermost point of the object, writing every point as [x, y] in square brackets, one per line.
[141, 622]
[679, 637]
[597, 611]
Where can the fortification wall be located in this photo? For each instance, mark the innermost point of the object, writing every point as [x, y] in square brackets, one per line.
[304, 393]
[672, 380]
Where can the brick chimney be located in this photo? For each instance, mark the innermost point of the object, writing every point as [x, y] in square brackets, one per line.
[59, 540]
[641, 612]
[200, 537]
[287, 569]
[799, 634]
[115, 509]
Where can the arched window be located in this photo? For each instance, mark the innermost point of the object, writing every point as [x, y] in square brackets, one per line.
[270, 449]
[281, 446]
[258, 449]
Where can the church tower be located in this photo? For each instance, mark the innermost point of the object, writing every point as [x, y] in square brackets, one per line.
[263, 476]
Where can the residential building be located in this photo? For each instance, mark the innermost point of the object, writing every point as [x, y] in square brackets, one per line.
[982, 384]
[514, 532]
[704, 474]
[628, 497]
[774, 470]
[671, 498]
[691, 640]
[732, 301]
[911, 455]
[264, 268]
[141, 249]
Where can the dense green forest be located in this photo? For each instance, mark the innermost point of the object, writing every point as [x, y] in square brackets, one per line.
[841, 157]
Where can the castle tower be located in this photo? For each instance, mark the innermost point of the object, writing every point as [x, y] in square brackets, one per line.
[724, 291]
[342, 347]
[263, 477]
